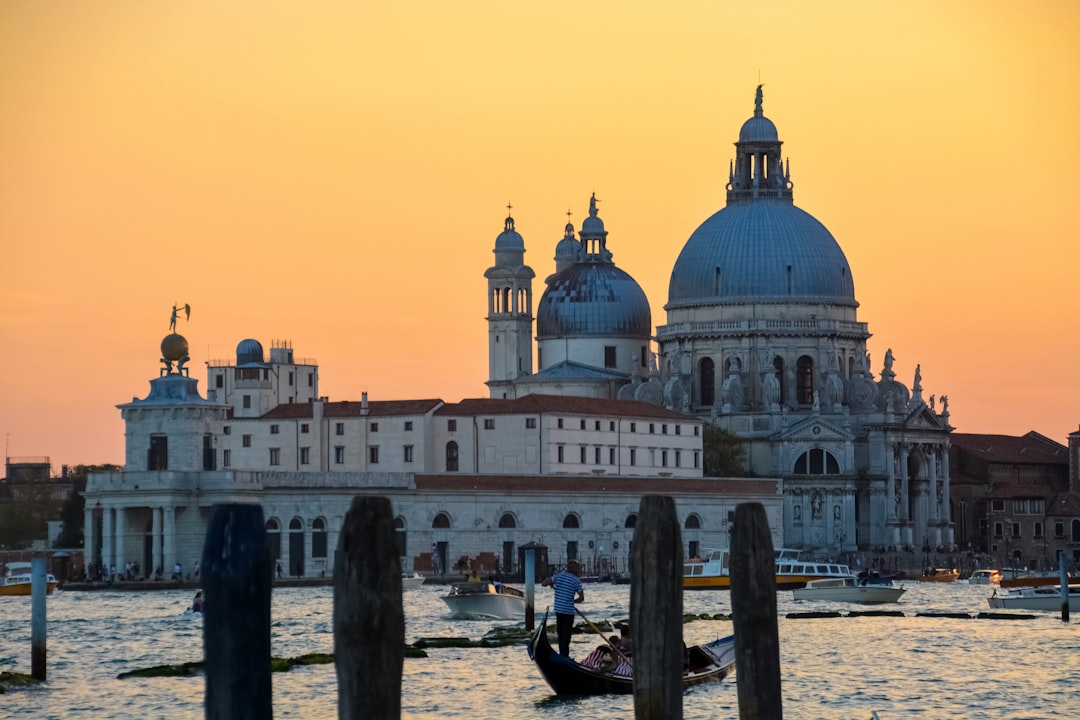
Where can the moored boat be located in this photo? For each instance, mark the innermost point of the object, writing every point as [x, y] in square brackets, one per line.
[18, 580]
[713, 572]
[850, 589]
[939, 575]
[710, 662]
[1014, 578]
[411, 581]
[482, 600]
[1041, 597]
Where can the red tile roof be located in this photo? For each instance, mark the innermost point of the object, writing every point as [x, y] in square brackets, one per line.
[559, 404]
[1029, 449]
[575, 484]
[351, 408]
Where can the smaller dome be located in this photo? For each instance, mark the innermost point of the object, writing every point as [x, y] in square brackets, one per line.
[758, 129]
[509, 239]
[249, 351]
[592, 225]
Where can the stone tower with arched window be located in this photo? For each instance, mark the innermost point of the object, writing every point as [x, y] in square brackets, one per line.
[509, 316]
[763, 338]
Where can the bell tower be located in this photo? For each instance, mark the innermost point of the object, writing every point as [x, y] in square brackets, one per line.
[509, 315]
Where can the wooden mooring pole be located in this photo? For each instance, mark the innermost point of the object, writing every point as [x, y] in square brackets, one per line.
[1063, 577]
[39, 590]
[753, 613]
[369, 622]
[236, 576]
[656, 568]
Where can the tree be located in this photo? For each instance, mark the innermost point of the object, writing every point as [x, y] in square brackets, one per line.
[71, 514]
[724, 453]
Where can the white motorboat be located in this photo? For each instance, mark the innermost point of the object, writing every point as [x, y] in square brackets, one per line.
[713, 572]
[485, 601]
[1041, 597]
[18, 580]
[850, 589]
[411, 581]
[985, 577]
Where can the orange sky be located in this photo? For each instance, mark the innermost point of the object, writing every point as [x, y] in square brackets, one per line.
[335, 174]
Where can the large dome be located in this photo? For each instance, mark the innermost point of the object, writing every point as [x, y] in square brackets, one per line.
[593, 299]
[761, 250]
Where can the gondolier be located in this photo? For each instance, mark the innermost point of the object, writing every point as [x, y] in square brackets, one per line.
[567, 585]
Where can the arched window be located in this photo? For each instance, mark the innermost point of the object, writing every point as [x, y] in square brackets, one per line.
[631, 521]
[451, 456]
[318, 538]
[507, 521]
[571, 521]
[804, 380]
[296, 547]
[399, 536]
[707, 376]
[693, 522]
[441, 521]
[817, 461]
[273, 538]
[295, 525]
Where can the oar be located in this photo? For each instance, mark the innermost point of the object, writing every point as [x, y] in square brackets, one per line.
[602, 636]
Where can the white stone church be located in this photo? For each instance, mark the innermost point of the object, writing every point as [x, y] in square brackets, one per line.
[761, 339]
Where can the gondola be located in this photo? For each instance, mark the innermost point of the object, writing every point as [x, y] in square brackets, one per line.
[710, 662]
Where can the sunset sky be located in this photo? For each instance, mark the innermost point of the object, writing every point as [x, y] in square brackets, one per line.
[335, 174]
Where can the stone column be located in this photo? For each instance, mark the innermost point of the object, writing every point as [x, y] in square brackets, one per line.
[88, 539]
[946, 515]
[106, 540]
[168, 551]
[307, 549]
[890, 489]
[850, 533]
[931, 457]
[121, 539]
[155, 544]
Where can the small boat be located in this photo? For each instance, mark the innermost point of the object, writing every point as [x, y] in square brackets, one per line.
[713, 572]
[483, 600]
[985, 577]
[710, 662]
[1014, 578]
[852, 589]
[1041, 597]
[17, 580]
[939, 575]
[411, 581]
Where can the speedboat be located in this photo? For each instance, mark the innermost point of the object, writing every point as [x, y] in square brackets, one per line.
[411, 581]
[985, 577]
[939, 575]
[851, 589]
[713, 572]
[1041, 597]
[485, 600]
[1013, 577]
[17, 580]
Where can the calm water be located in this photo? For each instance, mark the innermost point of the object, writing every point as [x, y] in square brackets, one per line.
[832, 668]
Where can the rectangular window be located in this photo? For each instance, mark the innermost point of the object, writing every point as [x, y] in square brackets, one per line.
[597, 426]
[373, 454]
[245, 440]
[597, 455]
[697, 430]
[530, 423]
[226, 458]
[697, 459]
[644, 356]
[311, 379]
[1059, 530]
[999, 530]
[997, 505]
[408, 426]
[583, 461]
[374, 427]
[611, 426]
[451, 425]
[339, 454]
[304, 428]
[275, 456]
[652, 428]
[633, 456]
[663, 429]
[678, 429]
[489, 423]
[219, 381]
[305, 456]
[339, 429]
[559, 423]
[274, 429]
[678, 458]
[609, 356]
[247, 402]
[571, 550]
[611, 456]
[227, 429]
[1037, 530]
[633, 427]
[559, 454]
[290, 378]
[663, 458]
[583, 424]
[408, 453]
[1016, 529]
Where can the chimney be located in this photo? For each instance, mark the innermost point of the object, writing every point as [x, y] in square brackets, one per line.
[363, 404]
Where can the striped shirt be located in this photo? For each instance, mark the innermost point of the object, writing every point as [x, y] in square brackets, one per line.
[567, 585]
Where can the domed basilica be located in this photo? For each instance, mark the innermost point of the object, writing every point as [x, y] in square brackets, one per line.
[762, 339]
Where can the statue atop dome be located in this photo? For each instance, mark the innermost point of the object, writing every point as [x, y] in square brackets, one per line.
[175, 312]
[174, 348]
[758, 95]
